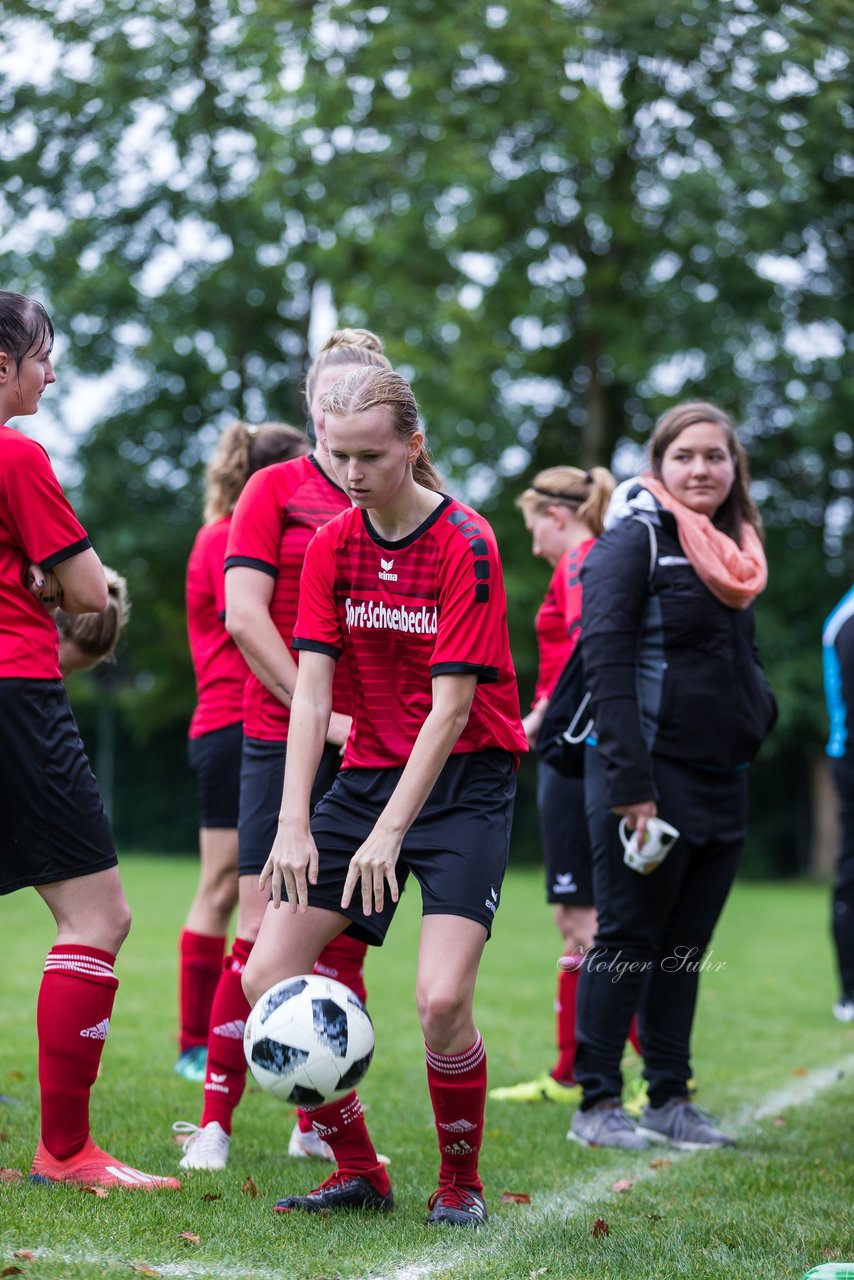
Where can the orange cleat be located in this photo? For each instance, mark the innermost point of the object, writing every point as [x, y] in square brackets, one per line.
[92, 1167]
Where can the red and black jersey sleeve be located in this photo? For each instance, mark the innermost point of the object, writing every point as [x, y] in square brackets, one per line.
[37, 524]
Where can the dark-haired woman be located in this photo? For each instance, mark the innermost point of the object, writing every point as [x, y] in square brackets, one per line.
[407, 585]
[681, 707]
[216, 729]
[54, 834]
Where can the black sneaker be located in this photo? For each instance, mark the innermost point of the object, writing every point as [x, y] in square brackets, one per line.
[460, 1206]
[341, 1191]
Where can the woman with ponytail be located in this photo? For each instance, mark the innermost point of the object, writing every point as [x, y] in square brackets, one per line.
[274, 520]
[564, 511]
[215, 734]
[407, 587]
[54, 834]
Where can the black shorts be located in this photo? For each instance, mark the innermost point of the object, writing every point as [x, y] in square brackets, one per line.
[215, 760]
[262, 776]
[563, 834]
[52, 821]
[456, 848]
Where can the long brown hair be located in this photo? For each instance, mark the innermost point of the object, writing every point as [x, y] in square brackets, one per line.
[738, 505]
[345, 347]
[586, 493]
[243, 450]
[364, 389]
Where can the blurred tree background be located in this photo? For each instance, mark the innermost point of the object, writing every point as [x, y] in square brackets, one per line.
[561, 215]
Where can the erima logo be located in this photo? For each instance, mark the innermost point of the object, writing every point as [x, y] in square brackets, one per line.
[492, 901]
[99, 1032]
[565, 884]
[385, 574]
[216, 1083]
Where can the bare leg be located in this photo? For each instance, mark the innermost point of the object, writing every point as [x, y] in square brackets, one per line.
[89, 910]
[288, 944]
[216, 894]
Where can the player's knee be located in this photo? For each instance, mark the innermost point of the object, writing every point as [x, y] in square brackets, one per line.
[441, 1012]
[223, 897]
[116, 926]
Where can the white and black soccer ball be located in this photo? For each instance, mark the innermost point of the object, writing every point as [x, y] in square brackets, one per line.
[309, 1040]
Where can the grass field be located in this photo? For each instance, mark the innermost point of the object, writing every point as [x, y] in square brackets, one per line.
[769, 1059]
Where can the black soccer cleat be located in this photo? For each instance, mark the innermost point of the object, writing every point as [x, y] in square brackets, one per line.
[457, 1206]
[340, 1191]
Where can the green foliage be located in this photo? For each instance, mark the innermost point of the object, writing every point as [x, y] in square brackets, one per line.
[561, 215]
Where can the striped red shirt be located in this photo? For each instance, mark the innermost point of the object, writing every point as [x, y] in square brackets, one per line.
[402, 612]
[277, 515]
[37, 524]
[220, 670]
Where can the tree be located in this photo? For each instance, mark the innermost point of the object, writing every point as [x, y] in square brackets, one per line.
[561, 214]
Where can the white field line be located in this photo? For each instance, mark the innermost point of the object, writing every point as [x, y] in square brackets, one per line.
[565, 1204]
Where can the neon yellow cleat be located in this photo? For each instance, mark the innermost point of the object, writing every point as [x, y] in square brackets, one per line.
[544, 1089]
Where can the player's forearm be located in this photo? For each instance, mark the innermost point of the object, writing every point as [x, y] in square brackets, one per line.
[306, 739]
[265, 652]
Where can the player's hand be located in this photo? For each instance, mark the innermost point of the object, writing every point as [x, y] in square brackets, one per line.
[531, 725]
[290, 868]
[43, 584]
[637, 816]
[339, 729]
[373, 864]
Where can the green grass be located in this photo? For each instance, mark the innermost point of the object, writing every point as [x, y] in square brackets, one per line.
[772, 1209]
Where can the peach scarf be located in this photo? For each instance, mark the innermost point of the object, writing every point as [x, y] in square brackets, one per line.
[735, 574]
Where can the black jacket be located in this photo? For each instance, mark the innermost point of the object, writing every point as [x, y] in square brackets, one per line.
[672, 671]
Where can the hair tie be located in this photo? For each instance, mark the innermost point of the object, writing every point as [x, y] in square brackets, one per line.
[557, 497]
[588, 477]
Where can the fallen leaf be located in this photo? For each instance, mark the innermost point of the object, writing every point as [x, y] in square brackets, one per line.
[24, 1253]
[541, 1271]
[780, 1122]
[16, 1075]
[655, 1217]
[249, 1189]
[100, 1192]
[800, 1071]
[835, 1254]
[623, 1184]
[660, 1162]
[12, 1271]
[190, 1237]
[145, 1271]
[4, 1137]
[211, 1195]
[11, 1175]
[600, 1228]
[515, 1197]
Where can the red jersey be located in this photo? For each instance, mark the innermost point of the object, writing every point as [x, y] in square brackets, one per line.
[277, 515]
[37, 523]
[220, 670]
[402, 612]
[558, 620]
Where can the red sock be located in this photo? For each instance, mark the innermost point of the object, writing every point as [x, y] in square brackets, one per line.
[225, 1079]
[73, 1017]
[634, 1038]
[342, 1125]
[567, 990]
[458, 1093]
[344, 959]
[200, 966]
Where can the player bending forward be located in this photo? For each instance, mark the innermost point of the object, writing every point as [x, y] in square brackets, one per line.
[408, 585]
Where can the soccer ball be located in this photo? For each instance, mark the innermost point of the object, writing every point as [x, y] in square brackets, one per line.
[309, 1040]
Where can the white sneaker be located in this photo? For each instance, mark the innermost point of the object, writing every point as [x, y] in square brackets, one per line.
[205, 1148]
[308, 1144]
[843, 1010]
